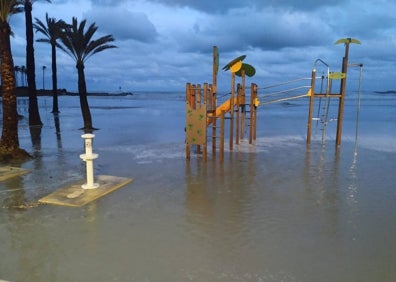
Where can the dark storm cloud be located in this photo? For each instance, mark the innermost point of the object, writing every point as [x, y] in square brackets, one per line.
[123, 24]
[222, 6]
[247, 29]
[164, 42]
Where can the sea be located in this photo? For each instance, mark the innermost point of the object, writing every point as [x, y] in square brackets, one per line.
[274, 210]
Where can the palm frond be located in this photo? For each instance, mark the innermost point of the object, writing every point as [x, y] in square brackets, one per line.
[9, 8]
[78, 43]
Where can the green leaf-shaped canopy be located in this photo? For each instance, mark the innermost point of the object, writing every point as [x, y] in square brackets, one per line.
[230, 64]
[347, 40]
[249, 70]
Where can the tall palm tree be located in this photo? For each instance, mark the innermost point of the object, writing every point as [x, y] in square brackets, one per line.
[34, 115]
[78, 44]
[52, 31]
[9, 143]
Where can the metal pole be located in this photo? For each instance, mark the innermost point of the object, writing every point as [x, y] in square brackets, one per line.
[342, 97]
[347, 42]
[311, 105]
[44, 67]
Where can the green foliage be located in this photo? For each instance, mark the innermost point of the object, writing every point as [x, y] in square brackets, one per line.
[8, 8]
[51, 29]
[78, 42]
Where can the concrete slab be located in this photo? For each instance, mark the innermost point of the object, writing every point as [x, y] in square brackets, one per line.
[75, 196]
[7, 172]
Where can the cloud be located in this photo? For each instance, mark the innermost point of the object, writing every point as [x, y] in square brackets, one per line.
[123, 24]
[163, 44]
[222, 7]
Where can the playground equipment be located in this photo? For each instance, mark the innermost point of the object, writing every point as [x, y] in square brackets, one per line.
[203, 112]
[340, 96]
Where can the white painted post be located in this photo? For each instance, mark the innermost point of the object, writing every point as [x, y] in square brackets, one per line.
[88, 158]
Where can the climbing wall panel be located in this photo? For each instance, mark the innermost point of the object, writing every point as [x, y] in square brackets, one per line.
[196, 126]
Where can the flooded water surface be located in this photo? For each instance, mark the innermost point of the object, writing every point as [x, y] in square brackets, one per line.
[273, 211]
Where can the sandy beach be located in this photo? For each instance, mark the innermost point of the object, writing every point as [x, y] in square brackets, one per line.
[273, 211]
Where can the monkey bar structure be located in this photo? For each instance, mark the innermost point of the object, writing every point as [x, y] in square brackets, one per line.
[330, 77]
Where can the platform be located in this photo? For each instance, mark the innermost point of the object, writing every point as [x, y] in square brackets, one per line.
[75, 196]
[7, 172]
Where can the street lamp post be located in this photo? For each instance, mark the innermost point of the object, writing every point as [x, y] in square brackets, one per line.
[44, 67]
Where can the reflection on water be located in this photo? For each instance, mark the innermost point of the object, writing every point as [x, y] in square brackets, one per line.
[276, 211]
[58, 130]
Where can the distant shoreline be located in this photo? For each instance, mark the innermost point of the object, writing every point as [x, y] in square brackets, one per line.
[386, 92]
[23, 92]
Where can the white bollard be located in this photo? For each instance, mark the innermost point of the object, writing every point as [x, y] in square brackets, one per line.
[88, 158]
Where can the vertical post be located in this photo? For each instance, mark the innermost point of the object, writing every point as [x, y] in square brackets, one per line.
[237, 114]
[193, 98]
[215, 68]
[347, 42]
[44, 67]
[342, 95]
[242, 105]
[232, 109]
[222, 135]
[205, 148]
[214, 124]
[188, 103]
[198, 106]
[255, 111]
[311, 106]
[251, 106]
[215, 52]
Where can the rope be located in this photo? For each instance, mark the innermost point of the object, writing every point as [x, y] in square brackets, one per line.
[284, 99]
[287, 82]
[285, 91]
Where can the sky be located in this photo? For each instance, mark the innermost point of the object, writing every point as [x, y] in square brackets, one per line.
[163, 44]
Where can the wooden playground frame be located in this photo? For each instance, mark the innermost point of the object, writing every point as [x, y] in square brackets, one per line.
[202, 111]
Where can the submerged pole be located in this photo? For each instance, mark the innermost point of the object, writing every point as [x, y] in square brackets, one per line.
[232, 110]
[311, 105]
[222, 135]
[344, 70]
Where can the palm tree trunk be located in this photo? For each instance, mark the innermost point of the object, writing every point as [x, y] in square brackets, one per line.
[34, 115]
[9, 143]
[82, 91]
[55, 108]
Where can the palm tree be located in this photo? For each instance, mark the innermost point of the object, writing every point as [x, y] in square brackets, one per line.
[52, 31]
[78, 44]
[9, 143]
[24, 76]
[34, 115]
[17, 70]
[20, 71]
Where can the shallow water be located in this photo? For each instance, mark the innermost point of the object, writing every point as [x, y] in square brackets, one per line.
[275, 211]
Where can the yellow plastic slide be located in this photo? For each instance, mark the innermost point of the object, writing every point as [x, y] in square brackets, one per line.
[226, 106]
